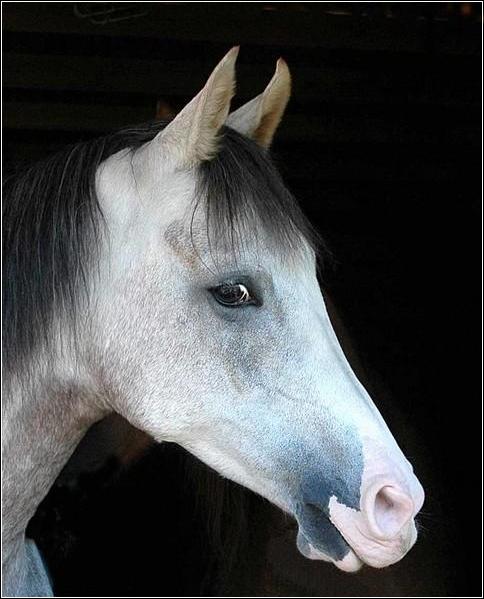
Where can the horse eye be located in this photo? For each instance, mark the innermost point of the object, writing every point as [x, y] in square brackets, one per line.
[233, 296]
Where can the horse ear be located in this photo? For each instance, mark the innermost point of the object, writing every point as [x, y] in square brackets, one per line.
[259, 118]
[193, 133]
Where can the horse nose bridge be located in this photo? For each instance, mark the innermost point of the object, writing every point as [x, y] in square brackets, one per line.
[348, 398]
[352, 405]
[348, 393]
[333, 364]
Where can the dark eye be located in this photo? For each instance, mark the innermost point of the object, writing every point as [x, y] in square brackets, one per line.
[232, 296]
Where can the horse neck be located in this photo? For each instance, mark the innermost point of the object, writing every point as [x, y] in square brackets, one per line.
[43, 420]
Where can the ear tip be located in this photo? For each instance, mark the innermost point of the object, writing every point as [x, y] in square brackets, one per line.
[282, 67]
[282, 77]
[226, 67]
[232, 54]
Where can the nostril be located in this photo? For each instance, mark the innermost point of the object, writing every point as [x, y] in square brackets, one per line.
[391, 510]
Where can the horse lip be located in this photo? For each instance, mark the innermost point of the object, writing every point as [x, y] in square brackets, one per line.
[308, 546]
[351, 562]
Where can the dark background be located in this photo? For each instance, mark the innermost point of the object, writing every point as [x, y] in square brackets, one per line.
[381, 143]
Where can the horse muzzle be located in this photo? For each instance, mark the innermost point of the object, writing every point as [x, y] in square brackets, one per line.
[378, 534]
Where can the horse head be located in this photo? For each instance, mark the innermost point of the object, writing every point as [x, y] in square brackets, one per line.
[209, 329]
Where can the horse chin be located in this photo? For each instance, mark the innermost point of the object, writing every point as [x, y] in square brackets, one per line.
[349, 563]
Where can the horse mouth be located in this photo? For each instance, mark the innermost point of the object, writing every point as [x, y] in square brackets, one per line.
[320, 538]
[349, 563]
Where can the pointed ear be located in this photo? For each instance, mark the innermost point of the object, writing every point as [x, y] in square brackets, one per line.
[193, 133]
[259, 118]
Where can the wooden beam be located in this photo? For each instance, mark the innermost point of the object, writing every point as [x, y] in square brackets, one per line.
[50, 116]
[326, 126]
[292, 24]
[183, 78]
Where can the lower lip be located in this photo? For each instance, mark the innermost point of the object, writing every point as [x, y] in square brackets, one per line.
[350, 563]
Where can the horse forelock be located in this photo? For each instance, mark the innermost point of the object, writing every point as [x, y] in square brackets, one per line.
[243, 194]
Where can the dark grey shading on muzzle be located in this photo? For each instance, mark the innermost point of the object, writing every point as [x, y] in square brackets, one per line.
[339, 475]
[316, 528]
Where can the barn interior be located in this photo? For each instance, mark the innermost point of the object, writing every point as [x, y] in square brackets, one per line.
[381, 144]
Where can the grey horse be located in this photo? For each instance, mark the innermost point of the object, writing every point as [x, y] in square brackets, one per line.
[165, 273]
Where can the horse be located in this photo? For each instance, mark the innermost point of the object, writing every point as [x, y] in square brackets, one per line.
[165, 273]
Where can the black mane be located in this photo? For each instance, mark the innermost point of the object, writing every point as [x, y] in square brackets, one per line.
[52, 222]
